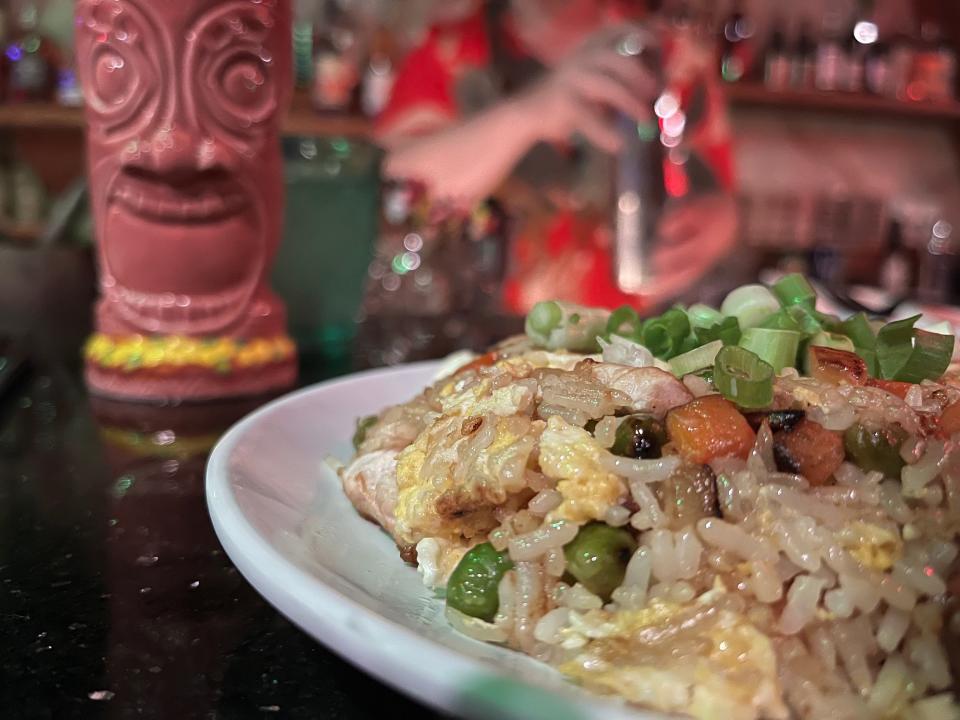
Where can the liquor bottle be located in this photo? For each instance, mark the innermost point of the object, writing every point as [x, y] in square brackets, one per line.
[776, 65]
[934, 70]
[4, 16]
[831, 73]
[877, 69]
[33, 60]
[803, 62]
[736, 45]
[336, 62]
[379, 74]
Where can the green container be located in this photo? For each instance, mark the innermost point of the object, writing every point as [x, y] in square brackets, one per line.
[332, 219]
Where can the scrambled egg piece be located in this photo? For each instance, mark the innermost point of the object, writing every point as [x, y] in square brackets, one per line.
[730, 673]
[442, 495]
[873, 546]
[572, 456]
[478, 399]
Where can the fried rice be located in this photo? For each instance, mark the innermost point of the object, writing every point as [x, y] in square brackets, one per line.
[753, 591]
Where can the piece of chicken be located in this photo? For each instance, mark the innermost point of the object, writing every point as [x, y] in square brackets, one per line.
[649, 389]
[370, 482]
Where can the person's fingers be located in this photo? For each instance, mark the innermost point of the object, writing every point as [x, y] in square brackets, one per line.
[595, 126]
[628, 70]
[670, 258]
[612, 35]
[607, 90]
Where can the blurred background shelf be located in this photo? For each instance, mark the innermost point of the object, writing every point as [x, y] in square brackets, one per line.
[40, 116]
[301, 119]
[20, 232]
[748, 94]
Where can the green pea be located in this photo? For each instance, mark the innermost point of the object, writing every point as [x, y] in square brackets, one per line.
[597, 557]
[875, 448]
[472, 588]
[363, 425]
[639, 436]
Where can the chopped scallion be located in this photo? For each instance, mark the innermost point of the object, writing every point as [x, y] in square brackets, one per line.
[750, 304]
[776, 347]
[696, 359]
[727, 330]
[833, 340]
[910, 355]
[743, 377]
[703, 316]
[794, 289]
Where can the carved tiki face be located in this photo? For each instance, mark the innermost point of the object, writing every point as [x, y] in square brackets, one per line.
[184, 100]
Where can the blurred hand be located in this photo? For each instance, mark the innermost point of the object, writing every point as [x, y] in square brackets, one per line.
[583, 92]
[694, 235]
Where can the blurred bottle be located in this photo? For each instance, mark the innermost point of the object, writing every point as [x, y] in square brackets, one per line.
[736, 45]
[803, 63]
[877, 69]
[304, 21]
[864, 34]
[336, 60]
[776, 65]
[934, 71]
[4, 64]
[69, 93]
[33, 60]
[903, 50]
[937, 266]
[379, 74]
[28, 196]
[831, 69]
[897, 269]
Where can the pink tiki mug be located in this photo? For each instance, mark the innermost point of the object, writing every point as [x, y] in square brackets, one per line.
[184, 103]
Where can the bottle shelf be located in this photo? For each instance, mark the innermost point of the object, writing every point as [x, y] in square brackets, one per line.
[748, 94]
[20, 232]
[301, 119]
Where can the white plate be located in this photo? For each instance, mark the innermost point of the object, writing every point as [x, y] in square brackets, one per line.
[284, 521]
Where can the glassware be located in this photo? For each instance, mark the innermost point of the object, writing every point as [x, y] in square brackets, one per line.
[33, 60]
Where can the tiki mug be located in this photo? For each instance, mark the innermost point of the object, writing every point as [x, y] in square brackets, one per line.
[184, 103]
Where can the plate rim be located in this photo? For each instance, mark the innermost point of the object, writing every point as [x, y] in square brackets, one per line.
[252, 554]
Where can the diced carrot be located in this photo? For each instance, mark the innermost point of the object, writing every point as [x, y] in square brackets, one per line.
[894, 387]
[708, 428]
[950, 420]
[809, 449]
[485, 360]
[836, 366]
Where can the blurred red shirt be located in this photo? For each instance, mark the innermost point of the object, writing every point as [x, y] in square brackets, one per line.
[569, 257]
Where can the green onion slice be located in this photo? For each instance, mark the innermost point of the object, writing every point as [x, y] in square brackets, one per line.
[794, 289]
[781, 320]
[696, 359]
[664, 335]
[744, 378]
[727, 330]
[703, 316]
[910, 355]
[544, 317]
[776, 347]
[859, 329]
[750, 304]
[625, 322]
[833, 340]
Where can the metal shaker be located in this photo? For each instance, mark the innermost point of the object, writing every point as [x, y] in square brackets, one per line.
[640, 194]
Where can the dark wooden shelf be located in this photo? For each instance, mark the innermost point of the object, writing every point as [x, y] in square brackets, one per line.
[747, 94]
[20, 233]
[301, 119]
[40, 115]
